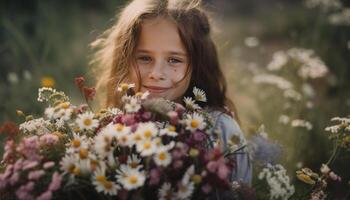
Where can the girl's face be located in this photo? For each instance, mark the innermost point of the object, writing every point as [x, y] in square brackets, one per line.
[161, 60]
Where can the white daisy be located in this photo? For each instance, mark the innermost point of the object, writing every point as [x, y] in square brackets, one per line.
[190, 104]
[77, 142]
[69, 164]
[101, 183]
[187, 176]
[185, 191]
[134, 162]
[86, 121]
[147, 130]
[132, 106]
[123, 87]
[146, 147]
[165, 192]
[125, 140]
[103, 144]
[130, 178]
[114, 111]
[194, 122]
[162, 157]
[116, 130]
[142, 95]
[199, 95]
[169, 131]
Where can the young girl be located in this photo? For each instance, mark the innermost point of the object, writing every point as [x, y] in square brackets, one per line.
[165, 47]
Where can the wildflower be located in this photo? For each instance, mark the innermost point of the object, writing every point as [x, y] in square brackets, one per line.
[194, 122]
[86, 122]
[56, 181]
[79, 82]
[190, 104]
[134, 162]
[103, 144]
[123, 87]
[146, 147]
[279, 59]
[199, 95]
[185, 191]
[78, 142]
[89, 93]
[278, 81]
[101, 183]
[325, 169]
[45, 93]
[301, 123]
[130, 178]
[279, 182]
[162, 157]
[38, 126]
[68, 164]
[147, 130]
[169, 131]
[132, 106]
[48, 81]
[165, 192]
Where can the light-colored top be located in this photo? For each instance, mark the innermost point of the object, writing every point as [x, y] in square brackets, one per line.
[228, 128]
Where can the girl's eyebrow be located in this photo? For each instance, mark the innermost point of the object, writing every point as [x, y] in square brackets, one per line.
[180, 53]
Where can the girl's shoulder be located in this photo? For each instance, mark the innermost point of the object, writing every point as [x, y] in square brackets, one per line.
[227, 127]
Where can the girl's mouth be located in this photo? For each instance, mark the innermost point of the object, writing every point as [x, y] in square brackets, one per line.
[155, 89]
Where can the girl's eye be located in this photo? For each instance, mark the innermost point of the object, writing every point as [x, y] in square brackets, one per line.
[144, 59]
[174, 60]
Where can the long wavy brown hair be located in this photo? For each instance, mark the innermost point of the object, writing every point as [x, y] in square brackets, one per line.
[115, 47]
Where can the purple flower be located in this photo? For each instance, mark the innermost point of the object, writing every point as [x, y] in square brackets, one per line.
[48, 165]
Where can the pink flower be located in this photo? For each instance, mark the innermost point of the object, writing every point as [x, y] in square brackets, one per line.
[14, 178]
[35, 175]
[334, 176]
[174, 118]
[212, 166]
[206, 188]
[178, 164]
[48, 165]
[223, 171]
[9, 150]
[23, 193]
[30, 164]
[49, 139]
[45, 196]
[154, 176]
[55, 182]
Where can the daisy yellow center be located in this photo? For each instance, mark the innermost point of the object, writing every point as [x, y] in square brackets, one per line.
[171, 128]
[87, 122]
[133, 179]
[137, 137]
[162, 156]
[124, 86]
[76, 171]
[93, 164]
[194, 123]
[65, 105]
[147, 145]
[76, 143]
[119, 127]
[133, 164]
[138, 94]
[107, 185]
[101, 179]
[148, 134]
[71, 168]
[83, 153]
[124, 139]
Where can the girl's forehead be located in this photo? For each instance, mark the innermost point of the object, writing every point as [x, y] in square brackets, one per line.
[160, 34]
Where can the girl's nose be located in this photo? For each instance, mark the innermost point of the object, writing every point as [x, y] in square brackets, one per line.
[157, 72]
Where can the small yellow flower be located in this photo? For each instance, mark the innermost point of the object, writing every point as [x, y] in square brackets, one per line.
[305, 178]
[196, 179]
[48, 81]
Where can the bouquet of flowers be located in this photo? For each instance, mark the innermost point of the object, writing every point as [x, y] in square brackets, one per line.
[147, 149]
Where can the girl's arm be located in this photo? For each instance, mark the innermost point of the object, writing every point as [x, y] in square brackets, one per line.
[229, 128]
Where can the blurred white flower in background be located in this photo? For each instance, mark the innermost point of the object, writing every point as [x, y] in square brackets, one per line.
[324, 4]
[340, 18]
[12, 77]
[251, 41]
